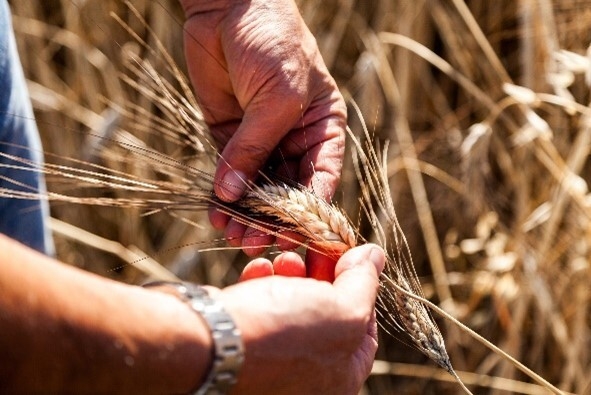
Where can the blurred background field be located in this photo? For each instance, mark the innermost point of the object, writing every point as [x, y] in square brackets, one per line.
[485, 106]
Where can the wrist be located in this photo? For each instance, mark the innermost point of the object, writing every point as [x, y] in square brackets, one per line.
[226, 351]
[183, 345]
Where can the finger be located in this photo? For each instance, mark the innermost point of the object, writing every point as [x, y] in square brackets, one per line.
[229, 184]
[255, 241]
[319, 265]
[289, 264]
[289, 240]
[267, 119]
[257, 268]
[222, 132]
[368, 256]
[234, 232]
[218, 219]
[357, 274]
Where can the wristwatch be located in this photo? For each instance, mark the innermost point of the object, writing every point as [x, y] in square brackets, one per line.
[228, 348]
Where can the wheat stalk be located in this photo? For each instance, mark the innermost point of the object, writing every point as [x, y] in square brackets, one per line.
[401, 313]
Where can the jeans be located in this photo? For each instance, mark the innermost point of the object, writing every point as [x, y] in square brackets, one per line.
[20, 219]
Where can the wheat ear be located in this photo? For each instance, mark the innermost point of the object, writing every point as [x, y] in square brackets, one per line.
[302, 210]
[543, 382]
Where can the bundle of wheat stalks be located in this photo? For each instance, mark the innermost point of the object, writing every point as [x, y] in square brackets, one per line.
[483, 105]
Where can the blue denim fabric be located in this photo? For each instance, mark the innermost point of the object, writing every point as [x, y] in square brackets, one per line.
[23, 220]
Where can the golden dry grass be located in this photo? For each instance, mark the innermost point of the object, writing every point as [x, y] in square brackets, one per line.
[490, 181]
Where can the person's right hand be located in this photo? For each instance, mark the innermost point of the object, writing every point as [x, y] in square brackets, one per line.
[304, 336]
[268, 98]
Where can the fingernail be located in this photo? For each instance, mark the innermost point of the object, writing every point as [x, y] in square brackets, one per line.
[232, 186]
[377, 257]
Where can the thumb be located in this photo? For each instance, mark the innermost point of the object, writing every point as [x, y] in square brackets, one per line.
[357, 273]
[262, 129]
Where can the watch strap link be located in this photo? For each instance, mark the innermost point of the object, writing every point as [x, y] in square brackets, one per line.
[228, 347]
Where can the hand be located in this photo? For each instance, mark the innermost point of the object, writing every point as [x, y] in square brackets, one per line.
[304, 336]
[318, 265]
[267, 96]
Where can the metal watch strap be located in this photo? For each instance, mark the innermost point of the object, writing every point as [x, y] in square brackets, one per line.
[228, 347]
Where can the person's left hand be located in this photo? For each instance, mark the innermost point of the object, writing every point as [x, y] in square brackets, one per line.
[304, 336]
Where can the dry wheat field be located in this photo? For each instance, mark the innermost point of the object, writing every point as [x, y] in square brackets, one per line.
[483, 107]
